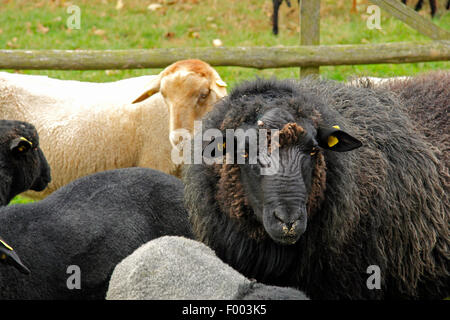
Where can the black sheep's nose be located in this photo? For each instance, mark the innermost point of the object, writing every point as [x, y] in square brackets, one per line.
[287, 221]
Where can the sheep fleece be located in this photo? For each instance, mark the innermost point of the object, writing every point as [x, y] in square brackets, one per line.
[94, 223]
[179, 268]
[385, 204]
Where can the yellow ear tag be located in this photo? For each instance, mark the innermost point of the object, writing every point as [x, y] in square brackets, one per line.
[332, 141]
[221, 83]
[6, 245]
[24, 139]
[3, 256]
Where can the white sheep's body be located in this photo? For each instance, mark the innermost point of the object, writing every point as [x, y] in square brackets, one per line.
[123, 138]
[121, 91]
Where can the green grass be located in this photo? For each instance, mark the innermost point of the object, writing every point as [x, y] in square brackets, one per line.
[20, 200]
[193, 23]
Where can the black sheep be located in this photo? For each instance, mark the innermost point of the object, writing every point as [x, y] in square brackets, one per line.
[276, 7]
[433, 6]
[419, 5]
[22, 163]
[22, 167]
[384, 204]
[92, 223]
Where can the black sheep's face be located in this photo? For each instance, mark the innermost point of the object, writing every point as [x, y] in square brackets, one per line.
[24, 166]
[37, 176]
[280, 200]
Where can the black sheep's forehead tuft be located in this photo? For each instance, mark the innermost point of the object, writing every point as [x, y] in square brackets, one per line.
[250, 100]
[275, 118]
[265, 87]
[10, 129]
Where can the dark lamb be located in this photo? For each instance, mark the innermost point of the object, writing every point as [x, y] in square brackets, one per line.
[92, 223]
[22, 163]
[22, 167]
[334, 208]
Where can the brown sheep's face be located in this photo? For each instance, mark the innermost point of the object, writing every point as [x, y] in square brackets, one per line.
[283, 199]
[23, 166]
[190, 88]
[198, 97]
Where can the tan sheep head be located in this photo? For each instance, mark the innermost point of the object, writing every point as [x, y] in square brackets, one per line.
[190, 89]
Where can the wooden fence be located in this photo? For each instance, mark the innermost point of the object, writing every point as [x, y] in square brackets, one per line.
[310, 27]
[309, 56]
[252, 57]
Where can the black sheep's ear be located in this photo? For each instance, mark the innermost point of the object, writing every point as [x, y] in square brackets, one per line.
[337, 140]
[20, 145]
[9, 256]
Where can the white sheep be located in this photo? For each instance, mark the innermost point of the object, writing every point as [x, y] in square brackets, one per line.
[89, 127]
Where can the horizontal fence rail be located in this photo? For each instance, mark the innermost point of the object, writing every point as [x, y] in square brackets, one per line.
[251, 57]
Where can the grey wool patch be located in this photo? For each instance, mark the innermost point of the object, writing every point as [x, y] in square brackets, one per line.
[177, 268]
[174, 268]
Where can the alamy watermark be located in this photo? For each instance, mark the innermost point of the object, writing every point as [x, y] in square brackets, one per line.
[374, 20]
[74, 20]
[239, 146]
[374, 280]
[74, 280]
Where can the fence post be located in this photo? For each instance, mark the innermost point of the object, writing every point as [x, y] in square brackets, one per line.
[309, 30]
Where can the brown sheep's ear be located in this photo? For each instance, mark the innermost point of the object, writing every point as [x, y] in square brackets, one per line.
[219, 86]
[20, 145]
[337, 140]
[152, 88]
